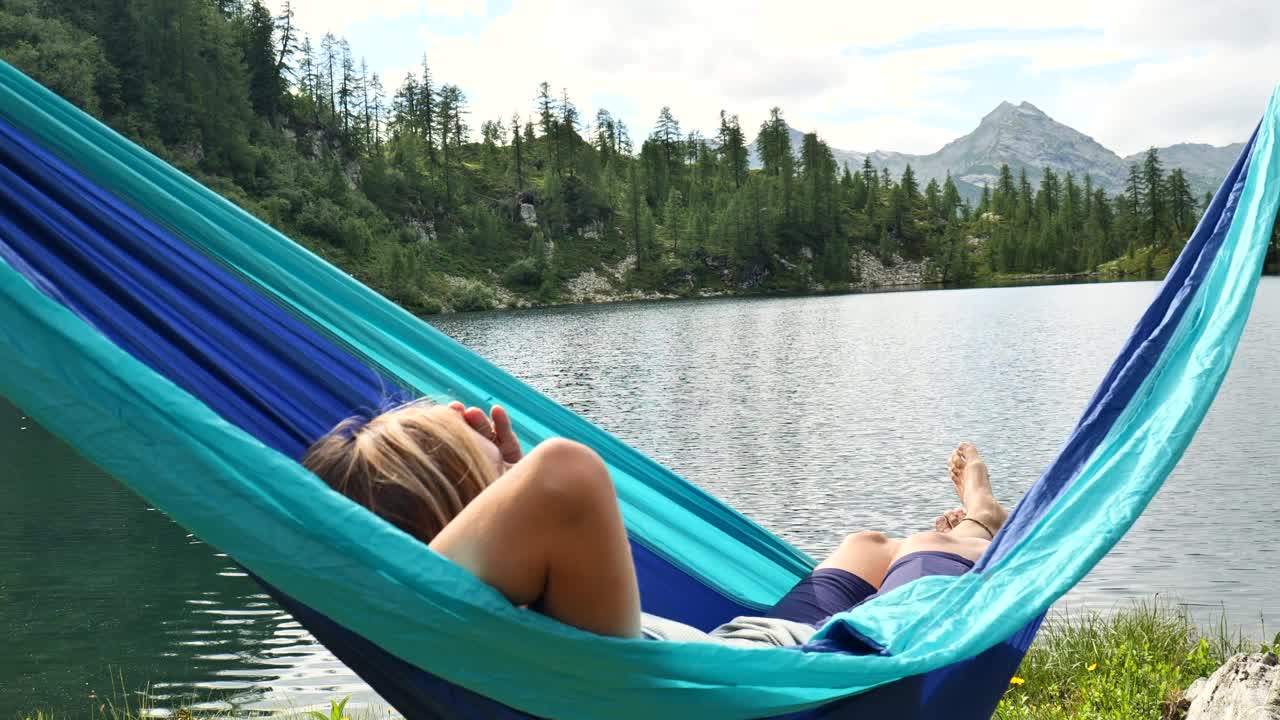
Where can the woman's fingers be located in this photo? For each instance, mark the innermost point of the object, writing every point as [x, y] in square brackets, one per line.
[504, 435]
[478, 421]
[495, 426]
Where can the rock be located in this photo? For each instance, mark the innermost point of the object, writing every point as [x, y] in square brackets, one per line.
[720, 265]
[424, 230]
[191, 153]
[604, 285]
[528, 215]
[351, 174]
[1246, 687]
[753, 276]
[872, 273]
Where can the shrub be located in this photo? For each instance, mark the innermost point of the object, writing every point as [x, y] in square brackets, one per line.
[523, 274]
[470, 296]
[356, 236]
[322, 219]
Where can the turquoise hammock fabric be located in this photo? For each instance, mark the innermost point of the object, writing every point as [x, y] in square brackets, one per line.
[255, 503]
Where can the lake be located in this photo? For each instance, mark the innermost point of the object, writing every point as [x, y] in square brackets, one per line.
[816, 416]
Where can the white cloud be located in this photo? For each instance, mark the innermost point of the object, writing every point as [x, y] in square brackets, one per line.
[455, 8]
[1200, 72]
[1214, 97]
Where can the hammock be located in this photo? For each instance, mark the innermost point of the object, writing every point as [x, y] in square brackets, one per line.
[194, 353]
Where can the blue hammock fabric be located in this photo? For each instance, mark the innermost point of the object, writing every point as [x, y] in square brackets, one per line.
[140, 321]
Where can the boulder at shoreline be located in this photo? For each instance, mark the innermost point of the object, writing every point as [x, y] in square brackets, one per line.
[1246, 687]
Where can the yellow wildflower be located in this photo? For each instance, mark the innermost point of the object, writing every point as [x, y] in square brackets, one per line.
[1092, 667]
[1015, 680]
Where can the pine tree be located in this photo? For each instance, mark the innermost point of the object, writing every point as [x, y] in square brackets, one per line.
[636, 207]
[568, 131]
[404, 107]
[330, 60]
[378, 94]
[287, 33]
[517, 144]
[266, 86]
[773, 144]
[346, 91]
[547, 119]
[1182, 205]
[1154, 215]
[309, 79]
[733, 149]
[604, 137]
[667, 132]
[452, 133]
[424, 109]
[1134, 201]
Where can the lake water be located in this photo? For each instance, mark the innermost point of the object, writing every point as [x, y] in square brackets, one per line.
[815, 416]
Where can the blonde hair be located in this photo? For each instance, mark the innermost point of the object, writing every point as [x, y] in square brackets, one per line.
[416, 466]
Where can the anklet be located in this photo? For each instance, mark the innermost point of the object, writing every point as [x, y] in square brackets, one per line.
[982, 525]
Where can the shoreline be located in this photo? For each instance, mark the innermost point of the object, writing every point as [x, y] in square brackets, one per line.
[506, 300]
[607, 283]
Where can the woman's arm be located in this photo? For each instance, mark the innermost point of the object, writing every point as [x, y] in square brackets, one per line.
[549, 534]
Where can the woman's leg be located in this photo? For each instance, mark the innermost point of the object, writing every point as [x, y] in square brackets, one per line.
[983, 516]
[549, 534]
[869, 555]
[866, 554]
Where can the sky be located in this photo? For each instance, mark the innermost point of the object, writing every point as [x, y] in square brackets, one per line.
[907, 75]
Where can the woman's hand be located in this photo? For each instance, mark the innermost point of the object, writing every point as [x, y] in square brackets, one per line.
[494, 427]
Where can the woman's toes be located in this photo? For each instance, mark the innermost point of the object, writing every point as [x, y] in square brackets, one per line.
[948, 520]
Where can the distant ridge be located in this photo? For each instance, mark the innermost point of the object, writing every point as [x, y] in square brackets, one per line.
[1026, 138]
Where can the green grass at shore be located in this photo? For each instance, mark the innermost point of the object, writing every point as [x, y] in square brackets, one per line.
[1133, 664]
[1144, 263]
[1130, 665]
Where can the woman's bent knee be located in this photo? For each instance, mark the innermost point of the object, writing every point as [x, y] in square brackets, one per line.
[866, 537]
[570, 478]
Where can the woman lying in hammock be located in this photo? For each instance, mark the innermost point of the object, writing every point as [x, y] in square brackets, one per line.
[545, 529]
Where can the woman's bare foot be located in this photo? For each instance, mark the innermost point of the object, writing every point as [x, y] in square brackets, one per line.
[948, 520]
[973, 485]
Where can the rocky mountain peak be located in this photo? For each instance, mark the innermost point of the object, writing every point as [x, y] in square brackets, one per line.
[1027, 139]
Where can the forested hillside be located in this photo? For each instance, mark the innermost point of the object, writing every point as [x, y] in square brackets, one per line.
[394, 180]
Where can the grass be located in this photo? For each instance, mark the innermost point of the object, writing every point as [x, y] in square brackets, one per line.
[1133, 664]
[1130, 665]
[1144, 262]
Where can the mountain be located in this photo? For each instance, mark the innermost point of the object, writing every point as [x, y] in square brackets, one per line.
[1204, 165]
[1021, 136]
[1026, 138]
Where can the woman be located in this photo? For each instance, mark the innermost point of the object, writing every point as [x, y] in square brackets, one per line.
[545, 529]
